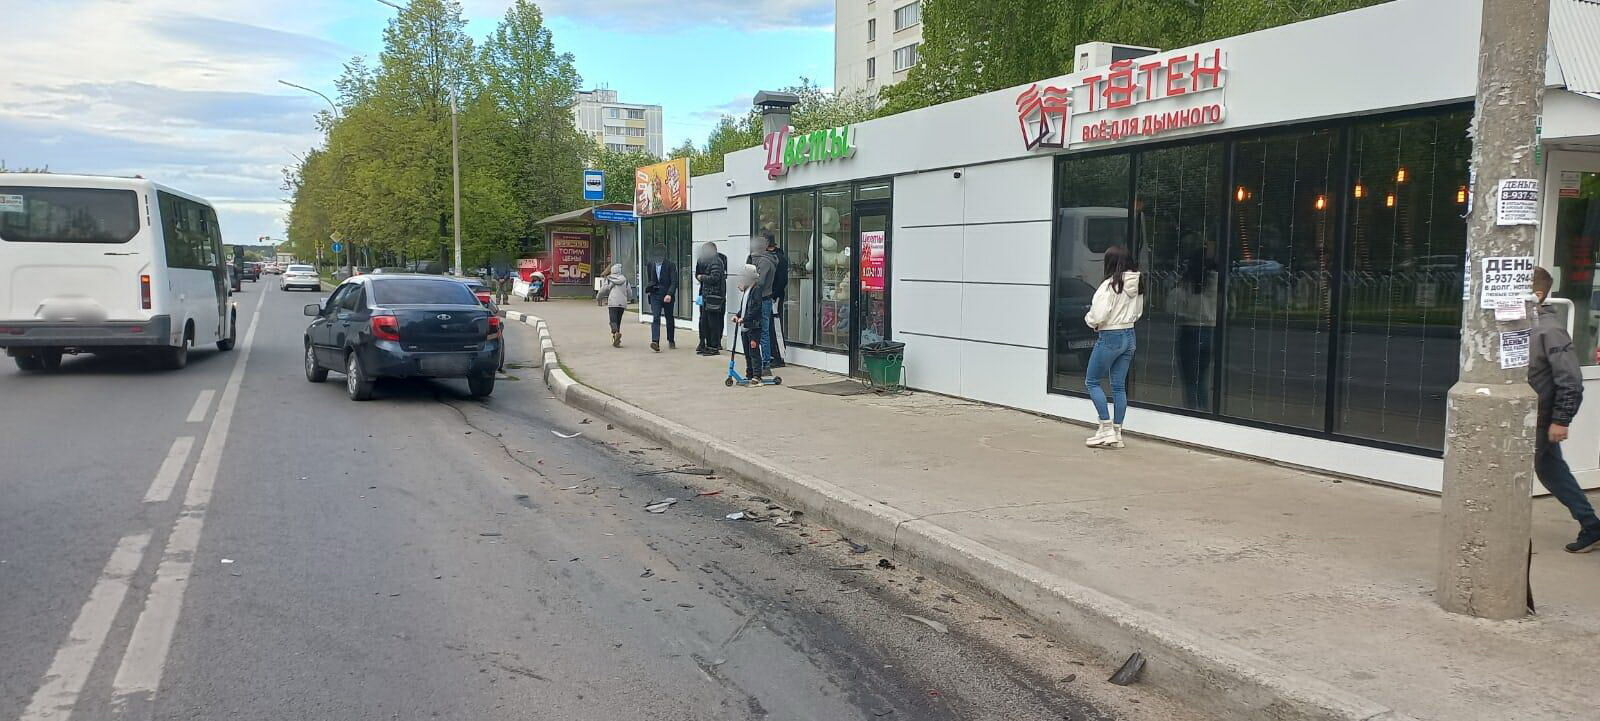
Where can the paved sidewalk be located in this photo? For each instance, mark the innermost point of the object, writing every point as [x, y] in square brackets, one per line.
[1328, 579]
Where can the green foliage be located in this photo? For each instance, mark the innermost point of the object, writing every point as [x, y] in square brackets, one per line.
[382, 181]
[618, 167]
[818, 110]
[977, 46]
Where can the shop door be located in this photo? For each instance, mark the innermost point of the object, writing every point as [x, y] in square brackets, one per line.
[871, 254]
[1574, 215]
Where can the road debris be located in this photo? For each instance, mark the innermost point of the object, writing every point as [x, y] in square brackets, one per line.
[930, 623]
[735, 516]
[851, 567]
[227, 560]
[857, 548]
[660, 506]
[1070, 678]
[886, 563]
[685, 605]
[559, 434]
[583, 422]
[710, 493]
[1130, 670]
[726, 541]
[685, 470]
[490, 533]
[647, 573]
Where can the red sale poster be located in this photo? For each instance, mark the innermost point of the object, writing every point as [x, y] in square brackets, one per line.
[872, 261]
[570, 257]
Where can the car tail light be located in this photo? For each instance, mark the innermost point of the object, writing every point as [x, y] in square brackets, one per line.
[144, 292]
[385, 327]
[494, 326]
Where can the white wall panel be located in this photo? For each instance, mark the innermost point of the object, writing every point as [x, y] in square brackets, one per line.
[928, 199]
[933, 364]
[1006, 253]
[1015, 314]
[926, 253]
[709, 225]
[1001, 374]
[1015, 190]
[927, 308]
[706, 192]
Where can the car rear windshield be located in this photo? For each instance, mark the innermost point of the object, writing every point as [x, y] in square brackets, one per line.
[301, 269]
[405, 291]
[67, 215]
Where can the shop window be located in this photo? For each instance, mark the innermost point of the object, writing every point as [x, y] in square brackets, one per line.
[670, 234]
[1178, 206]
[1400, 329]
[874, 191]
[1279, 284]
[834, 262]
[1577, 230]
[1091, 216]
[797, 240]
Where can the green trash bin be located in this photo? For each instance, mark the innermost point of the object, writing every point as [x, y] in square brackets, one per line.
[884, 362]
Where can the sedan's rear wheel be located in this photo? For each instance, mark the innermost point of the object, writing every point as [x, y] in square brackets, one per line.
[314, 373]
[356, 383]
[481, 385]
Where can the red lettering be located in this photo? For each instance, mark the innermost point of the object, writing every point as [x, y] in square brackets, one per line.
[1093, 83]
[1149, 70]
[1214, 72]
[1175, 76]
[1119, 85]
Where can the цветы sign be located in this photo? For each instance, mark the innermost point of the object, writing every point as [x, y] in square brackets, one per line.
[786, 149]
[1183, 90]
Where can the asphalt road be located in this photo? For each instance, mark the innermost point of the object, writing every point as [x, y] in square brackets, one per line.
[425, 555]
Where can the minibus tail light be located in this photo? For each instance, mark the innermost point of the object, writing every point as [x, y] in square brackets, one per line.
[144, 292]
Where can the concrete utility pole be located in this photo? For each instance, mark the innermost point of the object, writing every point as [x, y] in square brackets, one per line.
[1488, 461]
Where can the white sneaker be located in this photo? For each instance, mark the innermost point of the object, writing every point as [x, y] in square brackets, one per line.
[1116, 436]
[1103, 436]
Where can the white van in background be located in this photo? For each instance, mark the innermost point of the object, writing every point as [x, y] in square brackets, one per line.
[95, 264]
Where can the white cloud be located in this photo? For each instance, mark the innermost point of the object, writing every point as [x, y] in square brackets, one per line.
[183, 91]
[656, 15]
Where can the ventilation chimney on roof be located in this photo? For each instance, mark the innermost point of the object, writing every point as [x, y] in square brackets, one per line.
[1099, 55]
[775, 110]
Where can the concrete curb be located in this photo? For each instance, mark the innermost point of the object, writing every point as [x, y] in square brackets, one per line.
[1209, 674]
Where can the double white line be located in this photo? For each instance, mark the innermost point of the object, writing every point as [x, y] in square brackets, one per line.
[139, 675]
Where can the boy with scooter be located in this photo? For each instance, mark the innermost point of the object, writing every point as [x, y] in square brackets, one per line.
[749, 318]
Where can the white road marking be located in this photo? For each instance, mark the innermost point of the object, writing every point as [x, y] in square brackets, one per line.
[198, 412]
[139, 676]
[64, 681]
[167, 476]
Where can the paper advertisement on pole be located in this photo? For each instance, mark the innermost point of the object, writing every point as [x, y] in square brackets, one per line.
[1571, 183]
[1517, 202]
[1509, 310]
[1506, 278]
[1514, 349]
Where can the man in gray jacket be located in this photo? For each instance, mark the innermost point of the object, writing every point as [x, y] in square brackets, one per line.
[767, 270]
[1556, 376]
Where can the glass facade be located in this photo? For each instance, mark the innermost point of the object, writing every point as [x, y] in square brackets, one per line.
[672, 235]
[1577, 229]
[818, 231]
[1304, 278]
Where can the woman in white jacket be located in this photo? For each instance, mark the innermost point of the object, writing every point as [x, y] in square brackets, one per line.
[1117, 305]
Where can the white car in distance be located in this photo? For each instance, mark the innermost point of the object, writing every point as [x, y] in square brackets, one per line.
[300, 276]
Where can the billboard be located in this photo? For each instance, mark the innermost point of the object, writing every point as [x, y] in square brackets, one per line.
[569, 255]
[661, 188]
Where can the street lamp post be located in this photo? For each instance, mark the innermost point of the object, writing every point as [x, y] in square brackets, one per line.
[335, 108]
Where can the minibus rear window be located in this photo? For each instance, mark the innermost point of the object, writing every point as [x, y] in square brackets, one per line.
[67, 215]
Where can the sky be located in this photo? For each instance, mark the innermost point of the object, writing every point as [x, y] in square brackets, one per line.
[186, 92]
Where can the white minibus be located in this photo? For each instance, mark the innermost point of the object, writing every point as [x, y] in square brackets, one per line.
[93, 264]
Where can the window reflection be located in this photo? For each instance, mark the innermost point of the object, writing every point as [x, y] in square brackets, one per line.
[1280, 293]
[1577, 230]
[799, 226]
[1402, 278]
[1091, 216]
[1177, 211]
[833, 270]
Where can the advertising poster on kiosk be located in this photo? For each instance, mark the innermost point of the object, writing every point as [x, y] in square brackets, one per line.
[570, 258]
[661, 188]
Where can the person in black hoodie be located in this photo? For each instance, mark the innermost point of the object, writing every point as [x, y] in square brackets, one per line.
[780, 291]
[711, 272]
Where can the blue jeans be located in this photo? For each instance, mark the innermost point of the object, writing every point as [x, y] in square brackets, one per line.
[1557, 478]
[1113, 352]
[766, 335]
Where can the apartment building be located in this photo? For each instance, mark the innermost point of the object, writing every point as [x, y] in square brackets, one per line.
[875, 42]
[617, 125]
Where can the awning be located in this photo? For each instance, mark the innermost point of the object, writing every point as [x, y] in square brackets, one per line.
[1575, 40]
[582, 216]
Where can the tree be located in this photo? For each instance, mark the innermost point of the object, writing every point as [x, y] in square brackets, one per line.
[529, 90]
[977, 46]
[618, 167]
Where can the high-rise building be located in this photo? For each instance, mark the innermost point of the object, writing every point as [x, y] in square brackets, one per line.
[617, 125]
[875, 42]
